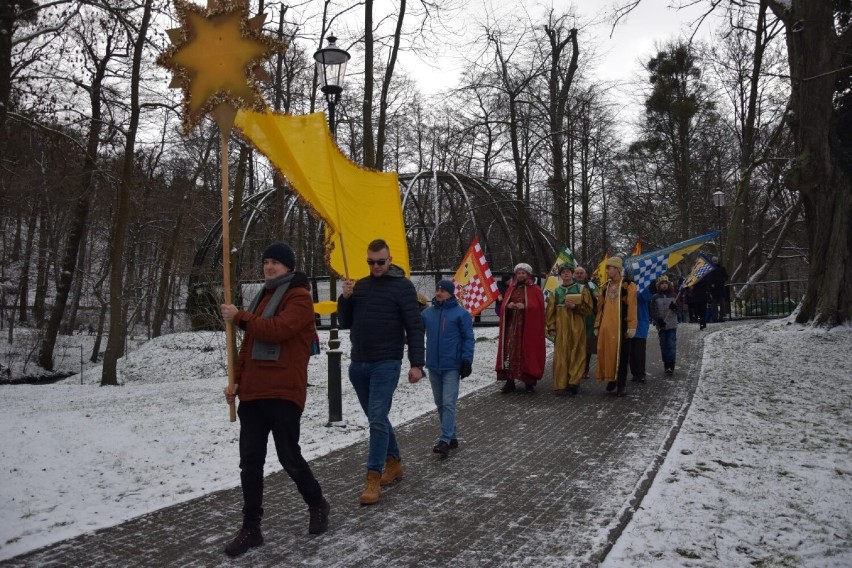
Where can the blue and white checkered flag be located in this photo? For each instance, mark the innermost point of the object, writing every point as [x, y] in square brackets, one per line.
[646, 270]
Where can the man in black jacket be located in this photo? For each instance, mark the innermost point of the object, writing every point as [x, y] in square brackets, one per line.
[382, 314]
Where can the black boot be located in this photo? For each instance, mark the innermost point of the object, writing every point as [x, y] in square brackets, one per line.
[442, 448]
[508, 387]
[248, 537]
[319, 517]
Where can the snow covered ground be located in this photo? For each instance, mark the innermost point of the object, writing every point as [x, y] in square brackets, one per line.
[759, 474]
[761, 471]
[81, 457]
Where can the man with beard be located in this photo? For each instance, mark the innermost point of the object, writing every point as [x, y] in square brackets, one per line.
[520, 348]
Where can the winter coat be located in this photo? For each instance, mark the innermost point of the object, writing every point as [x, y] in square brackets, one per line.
[661, 307]
[449, 335]
[383, 315]
[716, 281]
[700, 292]
[293, 329]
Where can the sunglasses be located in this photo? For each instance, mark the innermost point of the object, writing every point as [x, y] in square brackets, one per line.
[380, 262]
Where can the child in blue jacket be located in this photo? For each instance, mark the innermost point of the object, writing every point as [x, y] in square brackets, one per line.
[449, 355]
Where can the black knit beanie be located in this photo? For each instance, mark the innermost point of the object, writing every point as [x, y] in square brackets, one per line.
[282, 253]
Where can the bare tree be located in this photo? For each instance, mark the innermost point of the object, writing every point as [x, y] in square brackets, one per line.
[100, 44]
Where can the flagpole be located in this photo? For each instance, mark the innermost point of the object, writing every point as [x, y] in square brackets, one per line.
[230, 338]
[224, 115]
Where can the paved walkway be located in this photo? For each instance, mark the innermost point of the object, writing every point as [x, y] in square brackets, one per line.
[538, 480]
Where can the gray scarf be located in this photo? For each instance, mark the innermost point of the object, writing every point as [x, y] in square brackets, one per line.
[261, 350]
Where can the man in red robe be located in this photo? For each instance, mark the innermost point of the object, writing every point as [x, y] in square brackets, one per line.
[520, 349]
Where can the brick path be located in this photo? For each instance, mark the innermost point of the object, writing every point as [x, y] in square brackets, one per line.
[538, 480]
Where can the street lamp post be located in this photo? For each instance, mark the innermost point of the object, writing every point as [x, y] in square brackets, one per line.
[331, 63]
[719, 202]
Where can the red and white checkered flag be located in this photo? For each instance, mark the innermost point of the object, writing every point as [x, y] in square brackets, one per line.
[475, 286]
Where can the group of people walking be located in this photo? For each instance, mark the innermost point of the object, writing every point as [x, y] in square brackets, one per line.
[582, 319]
[385, 320]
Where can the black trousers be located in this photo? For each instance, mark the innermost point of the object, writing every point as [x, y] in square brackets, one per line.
[637, 356]
[623, 360]
[257, 419]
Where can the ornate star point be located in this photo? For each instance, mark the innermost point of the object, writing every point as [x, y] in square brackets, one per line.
[216, 57]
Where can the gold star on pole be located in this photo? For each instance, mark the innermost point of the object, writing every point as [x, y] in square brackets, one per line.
[216, 57]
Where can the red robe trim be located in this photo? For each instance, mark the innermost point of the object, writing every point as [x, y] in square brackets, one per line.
[534, 349]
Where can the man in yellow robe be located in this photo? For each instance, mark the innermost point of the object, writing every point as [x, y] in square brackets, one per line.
[615, 326]
[567, 308]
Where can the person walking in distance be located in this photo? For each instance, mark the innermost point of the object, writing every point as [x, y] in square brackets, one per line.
[664, 316]
[271, 381]
[382, 314]
[449, 356]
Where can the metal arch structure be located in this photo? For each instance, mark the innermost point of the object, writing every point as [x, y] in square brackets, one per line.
[443, 211]
[259, 219]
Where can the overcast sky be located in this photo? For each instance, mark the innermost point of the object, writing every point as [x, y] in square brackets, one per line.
[619, 56]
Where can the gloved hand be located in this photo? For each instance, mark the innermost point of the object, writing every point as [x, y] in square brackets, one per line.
[631, 333]
[661, 323]
[465, 370]
[672, 306]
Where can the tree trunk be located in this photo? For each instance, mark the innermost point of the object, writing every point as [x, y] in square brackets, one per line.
[24, 288]
[383, 98]
[166, 276]
[96, 346]
[79, 213]
[42, 265]
[736, 238]
[78, 283]
[234, 222]
[820, 172]
[117, 331]
[368, 143]
[558, 86]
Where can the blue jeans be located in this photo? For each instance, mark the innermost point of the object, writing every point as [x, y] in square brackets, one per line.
[374, 383]
[668, 347]
[445, 390]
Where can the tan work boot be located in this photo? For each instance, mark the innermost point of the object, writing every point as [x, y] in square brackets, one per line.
[393, 470]
[372, 491]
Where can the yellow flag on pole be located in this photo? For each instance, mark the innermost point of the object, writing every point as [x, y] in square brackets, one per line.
[356, 204]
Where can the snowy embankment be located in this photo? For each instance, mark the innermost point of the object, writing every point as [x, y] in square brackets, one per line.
[761, 471]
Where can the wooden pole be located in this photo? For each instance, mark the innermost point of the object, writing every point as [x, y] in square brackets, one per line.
[230, 339]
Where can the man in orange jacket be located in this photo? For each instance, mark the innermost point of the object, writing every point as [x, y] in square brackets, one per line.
[271, 381]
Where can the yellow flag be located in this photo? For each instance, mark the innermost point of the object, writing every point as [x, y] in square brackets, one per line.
[357, 205]
[600, 271]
